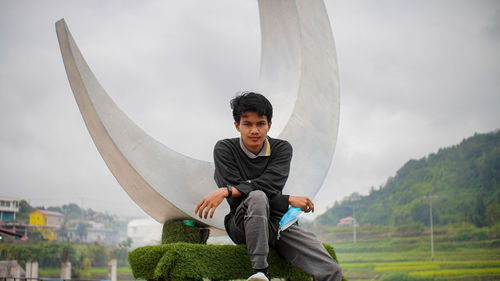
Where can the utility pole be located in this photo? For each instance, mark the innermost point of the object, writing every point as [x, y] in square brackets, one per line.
[81, 211]
[432, 232]
[354, 225]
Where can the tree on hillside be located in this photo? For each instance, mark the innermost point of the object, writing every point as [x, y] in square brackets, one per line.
[479, 218]
[71, 211]
[493, 214]
[25, 207]
[24, 210]
[465, 177]
[55, 209]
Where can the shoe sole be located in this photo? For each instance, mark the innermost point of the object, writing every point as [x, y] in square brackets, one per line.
[258, 277]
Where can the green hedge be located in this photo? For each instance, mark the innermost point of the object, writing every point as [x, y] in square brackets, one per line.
[187, 261]
[176, 231]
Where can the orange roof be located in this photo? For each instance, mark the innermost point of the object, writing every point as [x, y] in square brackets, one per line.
[346, 219]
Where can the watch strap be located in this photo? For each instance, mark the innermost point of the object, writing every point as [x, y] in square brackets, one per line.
[229, 191]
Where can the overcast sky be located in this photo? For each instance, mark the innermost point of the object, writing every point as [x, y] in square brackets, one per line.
[415, 76]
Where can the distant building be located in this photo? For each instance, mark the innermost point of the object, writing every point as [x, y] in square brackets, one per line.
[46, 218]
[346, 221]
[7, 235]
[21, 229]
[100, 235]
[9, 207]
[144, 232]
[46, 221]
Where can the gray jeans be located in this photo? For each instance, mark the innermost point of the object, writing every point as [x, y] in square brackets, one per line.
[250, 225]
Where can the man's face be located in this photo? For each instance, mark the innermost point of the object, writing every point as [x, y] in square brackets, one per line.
[253, 129]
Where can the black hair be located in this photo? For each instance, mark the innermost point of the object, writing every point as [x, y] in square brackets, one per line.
[251, 101]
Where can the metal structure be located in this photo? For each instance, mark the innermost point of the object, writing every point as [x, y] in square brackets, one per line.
[298, 58]
[430, 197]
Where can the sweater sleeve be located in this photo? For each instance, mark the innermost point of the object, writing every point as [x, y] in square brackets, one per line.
[226, 169]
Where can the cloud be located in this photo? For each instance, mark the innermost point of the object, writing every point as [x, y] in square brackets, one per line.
[415, 76]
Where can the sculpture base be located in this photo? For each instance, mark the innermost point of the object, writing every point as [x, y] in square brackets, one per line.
[184, 255]
[186, 261]
[184, 231]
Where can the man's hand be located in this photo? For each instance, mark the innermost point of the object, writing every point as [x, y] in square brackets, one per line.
[210, 202]
[302, 202]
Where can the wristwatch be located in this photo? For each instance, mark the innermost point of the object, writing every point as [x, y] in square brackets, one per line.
[229, 191]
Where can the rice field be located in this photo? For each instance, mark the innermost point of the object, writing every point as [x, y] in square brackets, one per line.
[383, 260]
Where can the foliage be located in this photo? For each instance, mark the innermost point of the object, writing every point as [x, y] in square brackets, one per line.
[121, 255]
[464, 236]
[50, 254]
[98, 254]
[187, 261]
[86, 268]
[24, 210]
[71, 211]
[47, 254]
[464, 178]
[25, 207]
[412, 229]
[127, 243]
[493, 214]
[36, 236]
[176, 231]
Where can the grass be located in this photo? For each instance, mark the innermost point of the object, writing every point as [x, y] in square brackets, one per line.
[95, 273]
[447, 273]
[376, 258]
[104, 270]
[382, 252]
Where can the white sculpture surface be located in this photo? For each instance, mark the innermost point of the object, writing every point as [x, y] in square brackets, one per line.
[298, 58]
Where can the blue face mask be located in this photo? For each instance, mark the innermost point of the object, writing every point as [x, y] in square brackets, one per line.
[289, 218]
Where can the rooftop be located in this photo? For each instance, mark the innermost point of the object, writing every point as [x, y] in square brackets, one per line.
[49, 213]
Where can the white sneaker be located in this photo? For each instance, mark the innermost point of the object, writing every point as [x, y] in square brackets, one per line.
[259, 276]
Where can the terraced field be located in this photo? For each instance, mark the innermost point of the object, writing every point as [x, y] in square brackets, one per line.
[409, 259]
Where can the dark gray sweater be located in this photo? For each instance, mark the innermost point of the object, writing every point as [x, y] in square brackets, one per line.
[269, 174]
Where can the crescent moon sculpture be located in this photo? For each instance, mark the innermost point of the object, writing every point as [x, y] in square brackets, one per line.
[297, 58]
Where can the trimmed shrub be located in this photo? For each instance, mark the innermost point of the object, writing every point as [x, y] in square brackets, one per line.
[176, 231]
[186, 261]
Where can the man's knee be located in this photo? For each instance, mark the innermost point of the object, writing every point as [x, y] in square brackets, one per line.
[257, 202]
[258, 196]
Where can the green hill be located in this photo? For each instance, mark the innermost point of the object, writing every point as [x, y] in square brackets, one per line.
[464, 178]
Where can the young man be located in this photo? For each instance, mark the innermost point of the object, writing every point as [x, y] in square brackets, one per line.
[251, 172]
